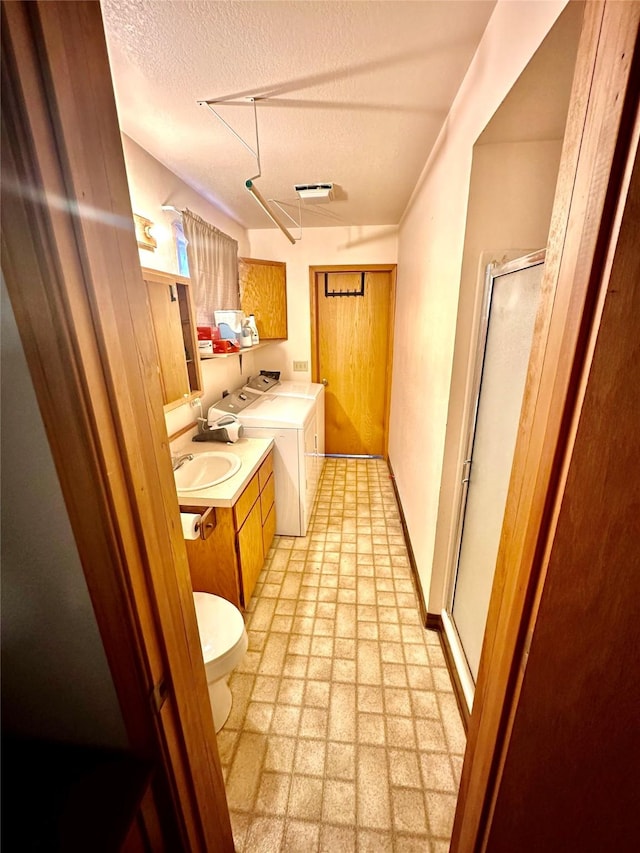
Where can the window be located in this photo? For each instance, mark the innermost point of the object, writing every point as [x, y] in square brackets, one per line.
[181, 249]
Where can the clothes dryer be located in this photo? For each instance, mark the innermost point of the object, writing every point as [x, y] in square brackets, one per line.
[291, 423]
[291, 388]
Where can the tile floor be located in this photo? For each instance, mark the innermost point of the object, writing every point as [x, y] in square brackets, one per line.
[344, 733]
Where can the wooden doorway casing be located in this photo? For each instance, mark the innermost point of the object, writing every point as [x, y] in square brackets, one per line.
[586, 265]
[72, 270]
[368, 432]
[89, 360]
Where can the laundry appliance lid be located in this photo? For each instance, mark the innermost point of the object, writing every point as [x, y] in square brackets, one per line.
[261, 383]
[235, 402]
[291, 388]
[273, 411]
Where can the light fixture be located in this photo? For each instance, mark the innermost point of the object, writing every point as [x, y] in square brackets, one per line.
[145, 238]
[315, 191]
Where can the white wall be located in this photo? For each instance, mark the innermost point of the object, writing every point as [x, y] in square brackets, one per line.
[431, 240]
[55, 679]
[510, 202]
[151, 185]
[369, 244]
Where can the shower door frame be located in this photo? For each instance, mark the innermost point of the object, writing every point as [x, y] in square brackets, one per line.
[492, 272]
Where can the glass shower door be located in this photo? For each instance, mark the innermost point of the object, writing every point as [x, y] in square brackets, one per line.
[511, 302]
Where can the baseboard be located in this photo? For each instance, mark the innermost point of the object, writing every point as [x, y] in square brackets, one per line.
[432, 621]
[412, 560]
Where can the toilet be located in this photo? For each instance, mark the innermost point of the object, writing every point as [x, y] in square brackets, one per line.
[224, 642]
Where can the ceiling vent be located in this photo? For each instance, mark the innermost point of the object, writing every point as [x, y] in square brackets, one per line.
[315, 192]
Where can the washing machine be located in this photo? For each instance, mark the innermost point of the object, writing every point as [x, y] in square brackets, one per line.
[291, 423]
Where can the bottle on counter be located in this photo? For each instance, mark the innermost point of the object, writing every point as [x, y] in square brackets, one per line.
[246, 335]
[251, 320]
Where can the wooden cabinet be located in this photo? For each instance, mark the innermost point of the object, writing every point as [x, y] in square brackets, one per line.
[175, 336]
[263, 293]
[229, 560]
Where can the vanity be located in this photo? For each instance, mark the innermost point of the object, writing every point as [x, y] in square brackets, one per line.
[238, 523]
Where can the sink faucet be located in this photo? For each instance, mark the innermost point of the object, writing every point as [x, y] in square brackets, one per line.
[178, 461]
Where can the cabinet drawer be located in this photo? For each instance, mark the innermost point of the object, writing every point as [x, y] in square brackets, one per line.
[243, 505]
[265, 471]
[268, 530]
[267, 496]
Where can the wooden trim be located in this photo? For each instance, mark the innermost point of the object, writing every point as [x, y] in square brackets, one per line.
[182, 431]
[350, 268]
[390, 348]
[576, 717]
[415, 577]
[262, 261]
[160, 277]
[433, 622]
[595, 153]
[313, 310]
[76, 288]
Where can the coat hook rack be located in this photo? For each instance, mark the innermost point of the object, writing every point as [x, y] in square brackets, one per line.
[356, 292]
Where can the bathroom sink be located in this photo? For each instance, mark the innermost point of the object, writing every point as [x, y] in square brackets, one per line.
[206, 470]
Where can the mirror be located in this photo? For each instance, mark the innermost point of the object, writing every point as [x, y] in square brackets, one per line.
[175, 335]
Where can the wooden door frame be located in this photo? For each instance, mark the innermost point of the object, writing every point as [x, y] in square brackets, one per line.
[598, 153]
[71, 264]
[315, 337]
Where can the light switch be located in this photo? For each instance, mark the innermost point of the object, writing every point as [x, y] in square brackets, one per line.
[300, 365]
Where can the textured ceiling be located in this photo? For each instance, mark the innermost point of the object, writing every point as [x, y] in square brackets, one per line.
[350, 92]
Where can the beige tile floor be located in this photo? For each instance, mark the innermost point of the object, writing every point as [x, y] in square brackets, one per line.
[344, 733]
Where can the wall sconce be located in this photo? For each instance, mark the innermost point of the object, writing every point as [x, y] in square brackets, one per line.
[145, 238]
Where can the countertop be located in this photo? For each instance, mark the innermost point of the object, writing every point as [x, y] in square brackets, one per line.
[252, 452]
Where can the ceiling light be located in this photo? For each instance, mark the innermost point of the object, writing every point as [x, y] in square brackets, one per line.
[311, 191]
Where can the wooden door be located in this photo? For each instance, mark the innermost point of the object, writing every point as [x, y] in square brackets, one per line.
[552, 752]
[165, 311]
[352, 333]
[173, 326]
[77, 292]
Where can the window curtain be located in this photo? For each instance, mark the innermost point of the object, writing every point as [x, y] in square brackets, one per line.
[213, 268]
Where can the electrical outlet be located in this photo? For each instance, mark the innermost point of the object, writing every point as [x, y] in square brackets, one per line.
[300, 365]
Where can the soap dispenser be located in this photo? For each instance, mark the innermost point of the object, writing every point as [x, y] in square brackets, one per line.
[251, 322]
[246, 335]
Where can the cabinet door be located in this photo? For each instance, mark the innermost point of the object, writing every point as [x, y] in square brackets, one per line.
[175, 336]
[263, 292]
[213, 562]
[165, 313]
[250, 551]
[268, 530]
